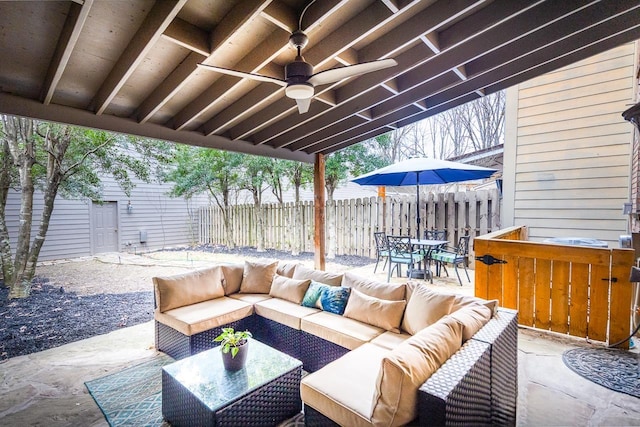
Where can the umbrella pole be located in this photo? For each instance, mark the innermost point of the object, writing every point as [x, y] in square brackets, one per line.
[417, 211]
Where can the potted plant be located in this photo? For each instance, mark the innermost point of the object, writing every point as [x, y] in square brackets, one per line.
[234, 345]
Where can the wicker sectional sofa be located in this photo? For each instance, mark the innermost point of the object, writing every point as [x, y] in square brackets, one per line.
[377, 353]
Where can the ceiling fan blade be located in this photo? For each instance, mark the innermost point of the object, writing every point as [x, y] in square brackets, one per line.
[303, 105]
[336, 74]
[242, 74]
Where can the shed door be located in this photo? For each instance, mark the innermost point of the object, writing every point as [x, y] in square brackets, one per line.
[105, 227]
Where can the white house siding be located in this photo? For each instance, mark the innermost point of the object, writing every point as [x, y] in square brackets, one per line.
[166, 221]
[567, 150]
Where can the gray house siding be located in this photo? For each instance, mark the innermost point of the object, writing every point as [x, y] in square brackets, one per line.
[166, 220]
[567, 150]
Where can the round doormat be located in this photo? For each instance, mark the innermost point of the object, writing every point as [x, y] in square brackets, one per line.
[617, 370]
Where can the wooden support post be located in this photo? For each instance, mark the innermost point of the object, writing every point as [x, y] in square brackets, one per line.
[319, 207]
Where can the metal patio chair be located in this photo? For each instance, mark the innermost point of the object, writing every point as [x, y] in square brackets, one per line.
[401, 252]
[382, 249]
[455, 256]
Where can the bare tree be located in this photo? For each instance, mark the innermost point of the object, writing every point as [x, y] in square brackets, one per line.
[469, 127]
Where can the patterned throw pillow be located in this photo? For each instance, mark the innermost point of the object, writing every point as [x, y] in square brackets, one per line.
[312, 296]
[334, 299]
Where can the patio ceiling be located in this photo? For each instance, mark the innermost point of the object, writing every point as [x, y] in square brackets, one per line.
[131, 66]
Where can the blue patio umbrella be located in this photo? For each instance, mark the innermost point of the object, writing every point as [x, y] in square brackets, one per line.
[423, 171]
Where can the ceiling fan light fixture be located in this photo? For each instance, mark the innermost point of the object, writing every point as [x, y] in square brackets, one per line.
[299, 91]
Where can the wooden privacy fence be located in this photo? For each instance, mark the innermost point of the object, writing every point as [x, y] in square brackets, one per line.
[356, 220]
[576, 290]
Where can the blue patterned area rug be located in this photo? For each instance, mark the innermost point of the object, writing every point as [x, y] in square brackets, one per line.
[618, 370]
[133, 396]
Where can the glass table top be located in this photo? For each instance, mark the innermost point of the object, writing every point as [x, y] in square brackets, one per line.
[206, 378]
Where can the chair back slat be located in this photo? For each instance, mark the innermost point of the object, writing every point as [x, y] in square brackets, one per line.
[435, 235]
[463, 246]
[399, 244]
[381, 241]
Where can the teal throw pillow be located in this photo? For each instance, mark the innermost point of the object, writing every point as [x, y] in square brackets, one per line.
[334, 299]
[312, 296]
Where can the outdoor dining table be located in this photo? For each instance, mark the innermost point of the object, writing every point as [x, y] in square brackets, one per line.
[429, 245]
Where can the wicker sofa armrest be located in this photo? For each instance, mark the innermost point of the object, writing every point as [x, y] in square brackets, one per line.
[478, 385]
[460, 391]
[502, 334]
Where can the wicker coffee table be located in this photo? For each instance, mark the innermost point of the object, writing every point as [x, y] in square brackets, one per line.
[199, 391]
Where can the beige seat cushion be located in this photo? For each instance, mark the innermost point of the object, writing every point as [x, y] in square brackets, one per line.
[289, 289]
[257, 277]
[373, 288]
[189, 288]
[326, 277]
[283, 311]
[378, 312]
[408, 366]
[472, 317]
[250, 298]
[340, 330]
[232, 278]
[199, 317]
[424, 308]
[390, 340]
[344, 389]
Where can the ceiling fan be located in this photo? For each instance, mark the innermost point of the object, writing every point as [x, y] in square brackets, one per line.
[299, 80]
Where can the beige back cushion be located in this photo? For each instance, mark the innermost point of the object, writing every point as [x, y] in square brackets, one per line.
[472, 317]
[286, 269]
[331, 279]
[373, 288]
[424, 308]
[408, 366]
[289, 289]
[189, 288]
[257, 277]
[464, 300]
[378, 312]
[232, 274]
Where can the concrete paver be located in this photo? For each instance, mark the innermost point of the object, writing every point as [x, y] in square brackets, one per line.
[47, 388]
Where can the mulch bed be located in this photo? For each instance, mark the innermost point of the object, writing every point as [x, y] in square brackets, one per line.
[51, 317]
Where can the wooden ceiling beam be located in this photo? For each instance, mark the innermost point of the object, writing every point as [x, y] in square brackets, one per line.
[407, 60]
[584, 43]
[340, 41]
[416, 91]
[238, 18]
[281, 15]
[156, 22]
[492, 39]
[364, 128]
[495, 72]
[188, 36]
[547, 65]
[436, 16]
[20, 106]
[259, 61]
[420, 72]
[387, 105]
[551, 33]
[171, 85]
[392, 5]
[73, 26]
[275, 46]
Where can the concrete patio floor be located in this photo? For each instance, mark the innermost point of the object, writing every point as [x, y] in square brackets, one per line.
[47, 388]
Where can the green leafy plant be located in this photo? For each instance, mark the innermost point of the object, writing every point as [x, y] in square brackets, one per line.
[230, 340]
